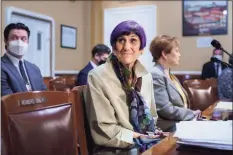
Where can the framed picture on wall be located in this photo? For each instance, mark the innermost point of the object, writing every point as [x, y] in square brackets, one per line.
[204, 17]
[68, 37]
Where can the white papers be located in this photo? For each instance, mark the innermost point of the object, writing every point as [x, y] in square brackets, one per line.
[207, 145]
[224, 105]
[211, 134]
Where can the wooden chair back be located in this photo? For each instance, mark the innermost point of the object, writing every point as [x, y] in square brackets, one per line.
[70, 81]
[82, 92]
[213, 82]
[46, 81]
[35, 123]
[184, 77]
[200, 93]
[59, 84]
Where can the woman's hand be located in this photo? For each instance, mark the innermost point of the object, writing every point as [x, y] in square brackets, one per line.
[158, 131]
[136, 135]
[196, 112]
[156, 135]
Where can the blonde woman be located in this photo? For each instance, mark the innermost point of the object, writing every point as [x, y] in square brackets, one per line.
[170, 97]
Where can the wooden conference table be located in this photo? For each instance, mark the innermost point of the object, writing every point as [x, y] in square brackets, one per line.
[168, 145]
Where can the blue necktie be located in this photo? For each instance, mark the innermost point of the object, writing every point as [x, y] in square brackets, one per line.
[22, 71]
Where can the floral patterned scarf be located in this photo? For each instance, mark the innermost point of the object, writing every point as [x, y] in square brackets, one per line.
[140, 116]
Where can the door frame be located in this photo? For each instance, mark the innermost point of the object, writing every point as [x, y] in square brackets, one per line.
[146, 9]
[13, 10]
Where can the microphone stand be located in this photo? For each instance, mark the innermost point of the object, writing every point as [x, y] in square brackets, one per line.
[228, 65]
[225, 52]
[219, 61]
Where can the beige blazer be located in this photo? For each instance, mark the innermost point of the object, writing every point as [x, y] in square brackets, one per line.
[169, 103]
[107, 109]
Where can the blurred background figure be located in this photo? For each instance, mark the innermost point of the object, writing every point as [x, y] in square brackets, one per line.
[170, 97]
[213, 69]
[225, 83]
[100, 54]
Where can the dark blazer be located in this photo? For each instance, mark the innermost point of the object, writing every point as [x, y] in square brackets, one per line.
[208, 70]
[12, 82]
[81, 78]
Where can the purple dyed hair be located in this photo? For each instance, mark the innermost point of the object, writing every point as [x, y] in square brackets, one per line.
[127, 27]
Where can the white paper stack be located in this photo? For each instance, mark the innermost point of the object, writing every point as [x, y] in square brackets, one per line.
[210, 134]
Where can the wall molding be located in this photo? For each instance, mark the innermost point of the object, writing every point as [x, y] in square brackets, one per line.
[66, 71]
[187, 72]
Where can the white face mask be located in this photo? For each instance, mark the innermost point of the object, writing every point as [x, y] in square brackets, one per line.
[18, 47]
[219, 57]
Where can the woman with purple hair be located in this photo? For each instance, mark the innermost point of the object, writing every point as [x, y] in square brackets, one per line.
[120, 98]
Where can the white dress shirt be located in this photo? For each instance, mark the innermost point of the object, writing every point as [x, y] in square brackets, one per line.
[93, 64]
[219, 69]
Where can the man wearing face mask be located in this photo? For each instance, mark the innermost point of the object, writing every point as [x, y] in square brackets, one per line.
[17, 74]
[213, 69]
[100, 54]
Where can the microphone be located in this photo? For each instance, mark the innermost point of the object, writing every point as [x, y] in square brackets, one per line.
[213, 59]
[216, 44]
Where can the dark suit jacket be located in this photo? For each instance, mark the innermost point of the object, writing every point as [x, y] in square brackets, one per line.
[208, 70]
[82, 75]
[12, 82]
